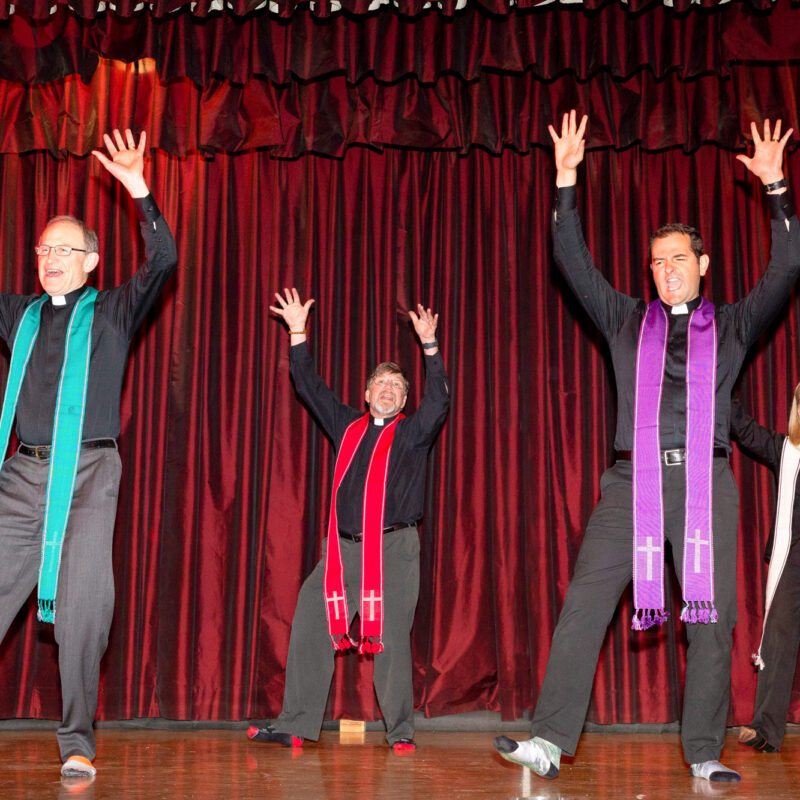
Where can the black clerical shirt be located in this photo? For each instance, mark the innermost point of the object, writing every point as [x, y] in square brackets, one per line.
[766, 446]
[405, 482]
[117, 313]
[619, 318]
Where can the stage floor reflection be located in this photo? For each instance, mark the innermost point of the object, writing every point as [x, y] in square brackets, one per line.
[225, 765]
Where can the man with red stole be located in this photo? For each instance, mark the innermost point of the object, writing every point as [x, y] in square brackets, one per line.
[675, 362]
[370, 563]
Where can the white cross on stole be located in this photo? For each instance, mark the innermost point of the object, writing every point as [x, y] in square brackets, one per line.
[649, 548]
[697, 542]
[371, 600]
[335, 598]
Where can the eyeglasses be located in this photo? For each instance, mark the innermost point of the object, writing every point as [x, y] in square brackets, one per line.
[62, 250]
[394, 384]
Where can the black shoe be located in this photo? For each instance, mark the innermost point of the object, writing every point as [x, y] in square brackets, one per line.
[269, 734]
[750, 737]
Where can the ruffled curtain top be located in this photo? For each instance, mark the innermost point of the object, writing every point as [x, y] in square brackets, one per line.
[90, 9]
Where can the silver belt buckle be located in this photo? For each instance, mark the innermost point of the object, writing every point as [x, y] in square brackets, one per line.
[678, 452]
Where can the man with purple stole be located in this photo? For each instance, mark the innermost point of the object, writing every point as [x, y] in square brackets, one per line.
[675, 362]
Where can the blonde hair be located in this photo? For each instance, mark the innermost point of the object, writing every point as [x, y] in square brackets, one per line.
[794, 422]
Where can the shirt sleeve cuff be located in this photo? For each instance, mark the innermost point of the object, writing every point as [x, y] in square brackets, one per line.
[566, 198]
[146, 208]
[299, 351]
[434, 363]
[781, 205]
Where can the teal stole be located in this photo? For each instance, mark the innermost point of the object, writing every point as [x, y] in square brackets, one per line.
[67, 428]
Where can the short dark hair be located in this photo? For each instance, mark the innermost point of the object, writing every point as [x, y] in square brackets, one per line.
[386, 367]
[695, 240]
[89, 236]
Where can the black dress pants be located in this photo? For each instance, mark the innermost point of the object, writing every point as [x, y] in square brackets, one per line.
[603, 570]
[779, 652]
[309, 666]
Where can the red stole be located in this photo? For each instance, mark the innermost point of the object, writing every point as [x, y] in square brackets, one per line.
[371, 608]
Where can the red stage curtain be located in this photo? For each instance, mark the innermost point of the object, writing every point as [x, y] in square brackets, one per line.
[440, 192]
[226, 477]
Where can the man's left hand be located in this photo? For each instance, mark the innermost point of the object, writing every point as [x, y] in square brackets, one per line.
[125, 161]
[766, 162]
[425, 322]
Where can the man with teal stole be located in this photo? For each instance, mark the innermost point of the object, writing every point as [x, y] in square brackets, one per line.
[58, 492]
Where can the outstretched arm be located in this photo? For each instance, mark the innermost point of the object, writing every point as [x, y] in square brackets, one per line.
[293, 312]
[432, 408]
[125, 161]
[754, 312]
[606, 306]
[766, 163]
[425, 322]
[332, 414]
[569, 148]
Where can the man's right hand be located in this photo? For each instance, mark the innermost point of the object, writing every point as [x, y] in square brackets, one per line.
[125, 160]
[293, 312]
[569, 147]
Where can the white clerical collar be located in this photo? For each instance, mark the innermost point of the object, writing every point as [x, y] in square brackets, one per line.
[58, 299]
[681, 309]
[377, 421]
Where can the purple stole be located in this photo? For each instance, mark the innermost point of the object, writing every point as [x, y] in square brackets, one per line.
[648, 511]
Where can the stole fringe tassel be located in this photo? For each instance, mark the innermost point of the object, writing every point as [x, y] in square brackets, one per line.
[699, 611]
[47, 611]
[370, 644]
[342, 643]
[644, 618]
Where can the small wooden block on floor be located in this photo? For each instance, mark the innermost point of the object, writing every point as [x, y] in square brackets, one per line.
[352, 726]
[352, 731]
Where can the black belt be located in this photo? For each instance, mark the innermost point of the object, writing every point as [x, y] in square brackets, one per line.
[671, 457]
[42, 451]
[357, 537]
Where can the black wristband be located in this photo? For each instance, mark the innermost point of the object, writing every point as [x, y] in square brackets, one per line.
[430, 345]
[781, 205]
[771, 187]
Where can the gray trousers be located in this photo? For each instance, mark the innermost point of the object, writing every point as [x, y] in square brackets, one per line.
[309, 667]
[85, 596]
[779, 651]
[603, 570]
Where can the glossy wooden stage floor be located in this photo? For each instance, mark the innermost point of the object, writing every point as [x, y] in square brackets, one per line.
[225, 765]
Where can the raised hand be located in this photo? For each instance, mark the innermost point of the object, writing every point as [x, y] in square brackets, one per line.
[292, 311]
[569, 147]
[766, 163]
[425, 322]
[125, 161]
